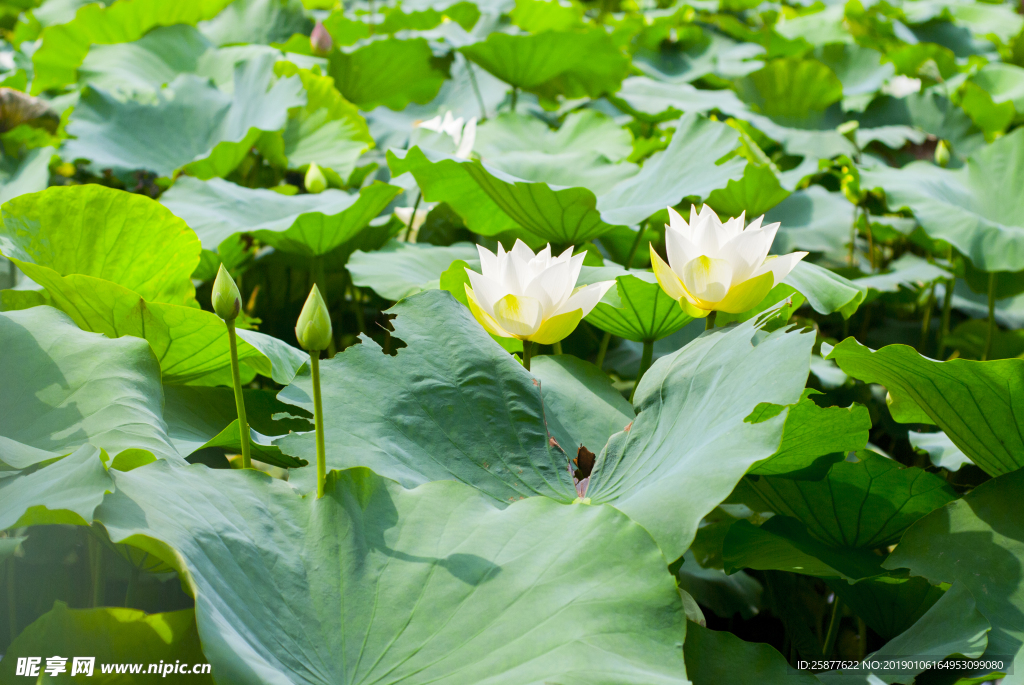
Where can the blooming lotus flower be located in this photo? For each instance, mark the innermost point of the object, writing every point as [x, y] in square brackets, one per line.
[463, 136]
[531, 296]
[715, 266]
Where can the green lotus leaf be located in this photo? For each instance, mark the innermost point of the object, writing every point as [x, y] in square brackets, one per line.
[864, 504]
[699, 397]
[825, 27]
[977, 208]
[310, 225]
[488, 431]
[257, 21]
[712, 655]
[977, 540]
[68, 388]
[889, 605]
[791, 90]
[112, 636]
[755, 193]
[29, 174]
[814, 438]
[909, 271]
[157, 263]
[814, 220]
[536, 16]
[189, 125]
[390, 72]
[65, 46]
[826, 291]
[574, 64]
[401, 269]
[657, 101]
[580, 403]
[973, 402]
[638, 309]
[392, 585]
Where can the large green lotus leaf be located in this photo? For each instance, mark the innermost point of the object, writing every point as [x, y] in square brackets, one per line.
[755, 193]
[814, 220]
[783, 544]
[977, 208]
[451, 405]
[65, 387]
[656, 101]
[190, 124]
[309, 224]
[811, 433]
[199, 417]
[29, 174]
[401, 269]
[328, 130]
[64, 47]
[861, 70]
[689, 166]
[715, 657]
[574, 64]
[585, 130]
[690, 443]
[375, 583]
[826, 291]
[1003, 82]
[638, 309]
[65, 491]
[953, 626]
[791, 91]
[725, 595]
[909, 271]
[973, 402]
[446, 179]
[888, 604]
[390, 72]
[257, 21]
[979, 541]
[581, 404]
[862, 504]
[825, 27]
[92, 230]
[941, 450]
[113, 636]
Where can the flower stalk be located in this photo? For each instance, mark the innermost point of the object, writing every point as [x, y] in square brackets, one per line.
[227, 303]
[314, 333]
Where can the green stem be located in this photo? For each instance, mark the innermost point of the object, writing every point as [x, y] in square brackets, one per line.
[991, 315]
[603, 350]
[636, 245]
[527, 353]
[709, 322]
[926, 321]
[947, 308]
[412, 219]
[12, 597]
[133, 582]
[96, 569]
[833, 627]
[515, 97]
[318, 418]
[236, 381]
[645, 363]
[476, 90]
[557, 347]
[853, 234]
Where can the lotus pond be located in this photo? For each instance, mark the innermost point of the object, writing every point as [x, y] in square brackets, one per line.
[512, 342]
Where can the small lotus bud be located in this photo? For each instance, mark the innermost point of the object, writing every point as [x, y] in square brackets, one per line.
[313, 328]
[227, 301]
[942, 153]
[316, 182]
[320, 40]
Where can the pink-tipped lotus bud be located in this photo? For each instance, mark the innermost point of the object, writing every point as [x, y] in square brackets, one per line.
[320, 40]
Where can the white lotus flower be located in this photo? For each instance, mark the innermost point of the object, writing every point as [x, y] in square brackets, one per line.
[901, 86]
[531, 296]
[715, 266]
[464, 136]
[405, 215]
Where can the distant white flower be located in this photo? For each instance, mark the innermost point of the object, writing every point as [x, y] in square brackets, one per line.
[464, 136]
[405, 215]
[715, 266]
[531, 296]
[902, 86]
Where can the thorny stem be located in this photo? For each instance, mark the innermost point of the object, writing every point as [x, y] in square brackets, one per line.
[236, 381]
[318, 419]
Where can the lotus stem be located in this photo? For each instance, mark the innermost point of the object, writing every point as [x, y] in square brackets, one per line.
[991, 316]
[412, 219]
[602, 350]
[95, 568]
[947, 308]
[527, 353]
[236, 381]
[709, 322]
[636, 245]
[833, 626]
[556, 348]
[515, 97]
[645, 363]
[318, 419]
[927, 319]
[476, 90]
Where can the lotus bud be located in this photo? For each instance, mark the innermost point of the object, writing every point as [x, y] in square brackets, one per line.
[315, 181]
[942, 153]
[313, 328]
[227, 301]
[320, 40]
